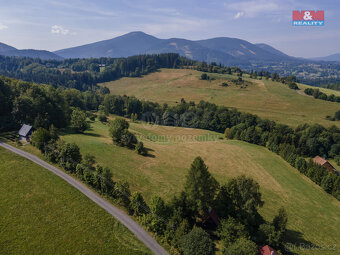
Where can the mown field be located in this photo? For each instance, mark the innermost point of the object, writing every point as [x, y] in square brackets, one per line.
[265, 98]
[314, 217]
[42, 214]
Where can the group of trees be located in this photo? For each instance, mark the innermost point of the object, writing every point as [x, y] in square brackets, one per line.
[206, 77]
[84, 74]
[182, 222]
[316, 93]
[43, 105]
[214, 68]
[121, 136]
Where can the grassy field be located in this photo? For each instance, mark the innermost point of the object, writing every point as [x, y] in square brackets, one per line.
[265, 98]
[313, 215]
[42, 214]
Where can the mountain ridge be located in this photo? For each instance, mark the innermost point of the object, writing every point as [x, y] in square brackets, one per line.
[332, 57]
[7, 50]
[225, 50]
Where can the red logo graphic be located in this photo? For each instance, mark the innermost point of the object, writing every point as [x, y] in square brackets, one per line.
[308, 18]
[308, 15]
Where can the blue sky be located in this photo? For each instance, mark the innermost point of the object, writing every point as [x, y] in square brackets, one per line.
[57, 24]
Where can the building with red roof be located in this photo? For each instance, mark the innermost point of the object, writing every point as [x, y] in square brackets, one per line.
[323, 162]
[267, 250]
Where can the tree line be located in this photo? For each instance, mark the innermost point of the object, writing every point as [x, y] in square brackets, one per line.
[316, 93]
[304, 141]
[42, 105]
[289, 80]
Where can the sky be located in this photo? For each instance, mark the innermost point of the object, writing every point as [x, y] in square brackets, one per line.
[57, 24]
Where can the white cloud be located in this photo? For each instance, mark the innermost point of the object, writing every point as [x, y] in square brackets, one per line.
[2, 26]
[238, 15]
[59, 30]
[253, 8]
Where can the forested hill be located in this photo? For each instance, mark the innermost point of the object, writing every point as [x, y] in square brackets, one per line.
[84, 74]
[7, 50]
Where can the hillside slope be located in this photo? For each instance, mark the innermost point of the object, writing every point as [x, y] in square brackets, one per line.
[271, 49]
[171, 151]
[265, 98]
[42, 214]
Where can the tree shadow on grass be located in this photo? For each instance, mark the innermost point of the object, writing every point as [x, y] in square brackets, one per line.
[72, 131]
[92, 134]
[148, 154]
[295, 243]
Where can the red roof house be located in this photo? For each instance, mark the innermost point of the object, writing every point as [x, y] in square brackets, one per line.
[323, 162]
[267, 250]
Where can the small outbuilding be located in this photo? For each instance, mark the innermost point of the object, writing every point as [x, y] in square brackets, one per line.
[25, 132]
[211, 221]
[267, 250]
[323, 162]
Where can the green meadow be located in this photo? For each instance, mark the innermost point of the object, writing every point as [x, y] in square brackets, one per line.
[42, 214]
[265, 98]
[314, 217]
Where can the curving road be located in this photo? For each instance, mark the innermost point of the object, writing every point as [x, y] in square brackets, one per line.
[114, 211]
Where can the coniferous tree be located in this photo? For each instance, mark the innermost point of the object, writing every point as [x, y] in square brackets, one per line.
[200, 186]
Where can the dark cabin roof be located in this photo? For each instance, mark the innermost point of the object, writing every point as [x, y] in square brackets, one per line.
[213, 216]
[24, 130]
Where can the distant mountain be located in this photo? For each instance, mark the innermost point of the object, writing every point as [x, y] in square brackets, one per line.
[271, 49]
[228, 51]
[130, 44]
[7, 50]
[194, 50]
[333, 57]
[5, 47]
[239, 49]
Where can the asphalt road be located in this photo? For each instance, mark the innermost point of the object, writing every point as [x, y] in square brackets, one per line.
[114, 211]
